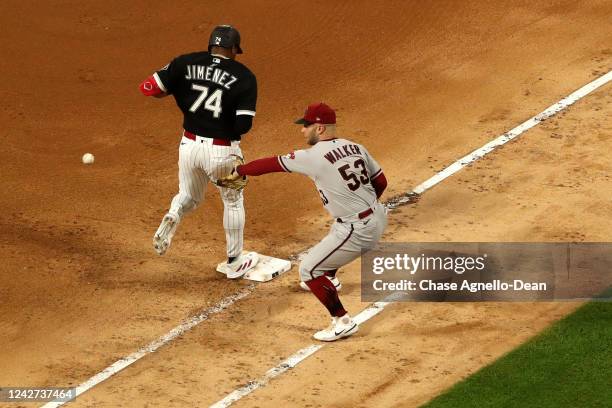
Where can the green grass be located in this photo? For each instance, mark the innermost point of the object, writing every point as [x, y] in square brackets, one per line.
[567, 365]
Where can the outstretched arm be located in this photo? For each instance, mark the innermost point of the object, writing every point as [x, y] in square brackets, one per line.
[261, 166]
[296, 162]
[237, 178]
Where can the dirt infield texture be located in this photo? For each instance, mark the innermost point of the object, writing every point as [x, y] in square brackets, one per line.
[419, 83]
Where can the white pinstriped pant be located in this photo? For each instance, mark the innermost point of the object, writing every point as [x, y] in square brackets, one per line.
[200, 162]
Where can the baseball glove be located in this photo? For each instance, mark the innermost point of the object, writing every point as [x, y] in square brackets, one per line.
[234, 180]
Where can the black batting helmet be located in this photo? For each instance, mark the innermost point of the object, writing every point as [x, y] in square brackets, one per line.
[225, 36]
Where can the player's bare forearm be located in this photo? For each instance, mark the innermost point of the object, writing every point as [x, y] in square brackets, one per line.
[260, 166]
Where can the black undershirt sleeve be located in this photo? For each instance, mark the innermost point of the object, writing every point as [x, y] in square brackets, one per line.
[243, 124]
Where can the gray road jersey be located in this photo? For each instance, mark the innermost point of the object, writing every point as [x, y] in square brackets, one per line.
[341, 171]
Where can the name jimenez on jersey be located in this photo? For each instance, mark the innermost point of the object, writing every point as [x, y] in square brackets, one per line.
[210, 73]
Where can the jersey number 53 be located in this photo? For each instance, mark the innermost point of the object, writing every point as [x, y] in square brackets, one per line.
[355, 181]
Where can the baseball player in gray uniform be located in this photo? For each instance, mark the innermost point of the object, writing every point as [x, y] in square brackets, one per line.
[349, 182]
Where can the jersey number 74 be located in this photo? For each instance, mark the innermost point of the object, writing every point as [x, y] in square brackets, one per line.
[212, 103]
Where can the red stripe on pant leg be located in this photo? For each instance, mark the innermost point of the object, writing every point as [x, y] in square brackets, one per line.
[327, 294]
[332, 252]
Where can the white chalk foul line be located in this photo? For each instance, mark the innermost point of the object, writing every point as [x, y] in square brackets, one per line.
[270, 374]
[378, 307]
[187, 325]
[369, 312]
[502, 139]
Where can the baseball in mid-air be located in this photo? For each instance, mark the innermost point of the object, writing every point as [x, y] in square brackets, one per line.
[88, 158]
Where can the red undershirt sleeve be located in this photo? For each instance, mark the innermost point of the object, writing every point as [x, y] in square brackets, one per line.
[261, 166]
[380, 183]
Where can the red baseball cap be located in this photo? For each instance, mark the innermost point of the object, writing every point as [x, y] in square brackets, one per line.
[318, 113]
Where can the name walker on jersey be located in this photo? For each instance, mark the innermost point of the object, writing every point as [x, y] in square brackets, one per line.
[342, 152]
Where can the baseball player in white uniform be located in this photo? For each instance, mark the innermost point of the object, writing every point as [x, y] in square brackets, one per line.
[349, 182]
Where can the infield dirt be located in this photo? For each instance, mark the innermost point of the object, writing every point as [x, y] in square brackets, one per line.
[419, 85]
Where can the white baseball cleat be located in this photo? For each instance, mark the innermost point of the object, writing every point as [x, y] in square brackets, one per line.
[241, 265]
[165, 232]
[333, 280]
[339, 328]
